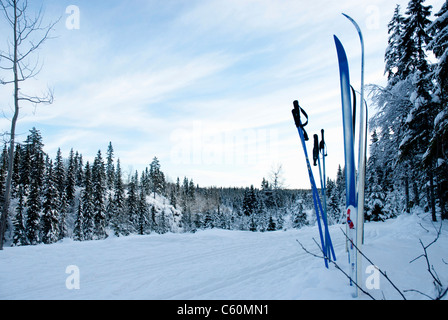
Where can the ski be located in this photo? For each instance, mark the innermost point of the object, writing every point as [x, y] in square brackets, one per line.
[362, 152]
[349, 152]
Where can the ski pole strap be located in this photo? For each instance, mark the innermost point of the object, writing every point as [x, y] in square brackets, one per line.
[316, 149]
[297, 118]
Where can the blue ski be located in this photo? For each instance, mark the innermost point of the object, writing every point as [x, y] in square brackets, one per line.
[350, 169]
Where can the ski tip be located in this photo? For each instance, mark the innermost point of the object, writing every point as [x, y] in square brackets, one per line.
[338, 42]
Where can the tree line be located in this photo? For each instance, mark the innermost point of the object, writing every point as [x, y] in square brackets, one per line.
[59, 198]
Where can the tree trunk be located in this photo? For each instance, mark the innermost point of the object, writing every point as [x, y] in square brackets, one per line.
[7, 197]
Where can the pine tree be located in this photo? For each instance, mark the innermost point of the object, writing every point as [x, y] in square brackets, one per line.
[88, 226]
[19, 237]
[119, 221]
[299, 218]
[60, 184]
[162, 225]
[132, 203]
[16, 170]
[110, 169]
[25, 170]
[153, 219]
[70, 182]
[414, 39]
[394, 49]
[272, 225]
[78, 231]
[420, 117]
[3, 169]
[249, 201]
[376, 203]
[333, 202]
[157, 177]
[143, 213]
[437, 150]
[33, 213]
[98, 197]
[51, 205]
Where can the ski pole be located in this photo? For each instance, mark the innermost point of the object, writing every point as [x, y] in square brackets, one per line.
[296, 112]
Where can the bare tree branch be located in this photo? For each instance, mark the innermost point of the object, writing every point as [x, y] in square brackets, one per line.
[430, 268]
[335, 265]
[370, 261]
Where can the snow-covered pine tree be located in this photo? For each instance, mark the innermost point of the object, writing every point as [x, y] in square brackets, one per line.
[407, 90]
[249, 201]
[376, 204]
[15, 183]
[142, 213]
[157, 177]
[19, 237]
[79, 169]
[333, 203]
[299, 218]
[420, 117]
[51, 206]
[110, 169]
[70, 182]
[394, 49]
[3, 169]
[87, 205]
[33, 212]
[118, 221]
[99, 197]
[25, 170]
[272, 226]
[78, 230]
[132, 204]
[60, 184]
[162, 223]
[414, 39]
[340, 189]
[437, 150]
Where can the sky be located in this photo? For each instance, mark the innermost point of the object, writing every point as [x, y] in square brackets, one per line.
[206, 86]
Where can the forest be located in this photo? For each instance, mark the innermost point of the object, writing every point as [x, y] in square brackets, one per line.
[65, 197]
[408, 154]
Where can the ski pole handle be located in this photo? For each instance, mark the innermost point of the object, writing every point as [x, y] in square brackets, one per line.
[297, 119]
[316, 149]
[322, 144]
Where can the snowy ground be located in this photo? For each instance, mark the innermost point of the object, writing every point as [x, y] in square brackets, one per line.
[217, 264]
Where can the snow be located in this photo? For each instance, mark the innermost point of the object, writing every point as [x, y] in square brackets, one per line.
[226, 265]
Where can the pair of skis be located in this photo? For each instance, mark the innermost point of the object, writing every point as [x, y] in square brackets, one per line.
[355, 179]
[321, 213]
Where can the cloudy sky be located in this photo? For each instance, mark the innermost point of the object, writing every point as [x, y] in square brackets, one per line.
[205, 85]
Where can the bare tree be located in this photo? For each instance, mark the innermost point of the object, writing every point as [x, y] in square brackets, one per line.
[28, 34]
[276, 177]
